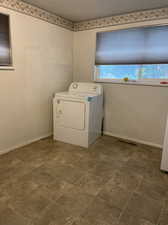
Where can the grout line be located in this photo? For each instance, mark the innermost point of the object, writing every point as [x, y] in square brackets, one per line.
[124, 209]
[133, 192]
[161, 211]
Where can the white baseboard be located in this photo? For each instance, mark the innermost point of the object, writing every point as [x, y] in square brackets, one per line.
[133, 139]
[24, 143]
[105, 132]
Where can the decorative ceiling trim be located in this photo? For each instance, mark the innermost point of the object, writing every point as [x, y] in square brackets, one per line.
[141, 16]
[28, 9]
[36, 12]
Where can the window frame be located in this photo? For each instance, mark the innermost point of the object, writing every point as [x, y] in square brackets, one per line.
[10, 66]
[145, 82]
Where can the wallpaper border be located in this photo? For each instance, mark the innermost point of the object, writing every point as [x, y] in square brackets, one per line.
[140, 16]
[28, 9]
[134, 17]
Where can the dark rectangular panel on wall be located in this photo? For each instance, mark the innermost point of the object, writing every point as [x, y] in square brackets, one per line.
[5, 45]
[143, 45]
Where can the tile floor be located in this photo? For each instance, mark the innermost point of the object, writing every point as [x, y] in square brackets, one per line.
[111, 183]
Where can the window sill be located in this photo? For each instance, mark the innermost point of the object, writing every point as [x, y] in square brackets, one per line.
[138, 83]
[7, 68]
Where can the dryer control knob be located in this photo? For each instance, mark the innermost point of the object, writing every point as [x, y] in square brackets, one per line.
[75, 85]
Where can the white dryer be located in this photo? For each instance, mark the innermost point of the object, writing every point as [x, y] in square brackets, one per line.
[164, 162]
[78, 114]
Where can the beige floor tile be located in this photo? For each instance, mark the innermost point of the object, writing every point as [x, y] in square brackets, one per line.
[31, 205]
[99, 212]
[141, 207]
[65, 172]
[129, 181]
[149, 154]
[153, 190]
[55, 183]
[9, 217]
[115, 196]
[155, 175]
[42, 176]
[75, 202]
[65, 211]
[163, 220]
[131, 219]
[90, 184]
[54, 215]
[20, 187]
[106, 170]
[55, 190]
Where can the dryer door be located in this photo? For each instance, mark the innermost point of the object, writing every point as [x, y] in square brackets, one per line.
[70, 114]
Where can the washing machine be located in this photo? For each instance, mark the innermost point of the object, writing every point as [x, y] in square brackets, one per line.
[164, 162]
[78, 114]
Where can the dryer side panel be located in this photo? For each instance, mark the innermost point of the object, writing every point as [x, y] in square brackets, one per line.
[164, 162]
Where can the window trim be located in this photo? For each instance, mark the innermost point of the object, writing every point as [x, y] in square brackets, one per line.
[7, 68]
[11, 66]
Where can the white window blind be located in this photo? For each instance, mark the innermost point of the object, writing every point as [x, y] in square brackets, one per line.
[144, 45]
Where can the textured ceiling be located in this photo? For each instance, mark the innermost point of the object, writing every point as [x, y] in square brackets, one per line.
[79, 10]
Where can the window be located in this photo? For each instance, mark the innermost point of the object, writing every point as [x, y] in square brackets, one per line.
[137, 54]
[5, 45]
[133, 72]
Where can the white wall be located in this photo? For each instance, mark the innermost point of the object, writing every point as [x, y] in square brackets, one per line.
[132, 112]
[42, 55]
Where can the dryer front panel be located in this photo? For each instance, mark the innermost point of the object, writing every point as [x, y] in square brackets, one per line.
[70, 114]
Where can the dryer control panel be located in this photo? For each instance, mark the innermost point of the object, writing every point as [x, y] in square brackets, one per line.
[89, 88]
